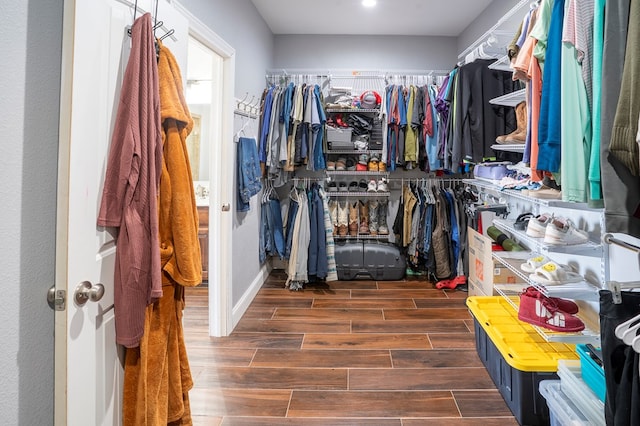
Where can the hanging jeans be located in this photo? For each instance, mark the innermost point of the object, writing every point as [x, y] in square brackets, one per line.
[277, 228]
[291, 218]
[620, 361]
[249, 173]
[317, 263]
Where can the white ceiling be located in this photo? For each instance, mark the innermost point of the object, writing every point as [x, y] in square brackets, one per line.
[388, 17]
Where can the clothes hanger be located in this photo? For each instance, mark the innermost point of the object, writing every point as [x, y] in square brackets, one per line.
[627, 331]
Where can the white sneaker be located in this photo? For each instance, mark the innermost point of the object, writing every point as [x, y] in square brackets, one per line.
[561, 231]
[373, 187]
[537, 226]
[382, 185]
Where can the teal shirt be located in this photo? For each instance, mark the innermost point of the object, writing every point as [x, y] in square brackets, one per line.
[595, 187]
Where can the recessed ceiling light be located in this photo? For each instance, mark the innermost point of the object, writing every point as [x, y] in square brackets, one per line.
[368, 3]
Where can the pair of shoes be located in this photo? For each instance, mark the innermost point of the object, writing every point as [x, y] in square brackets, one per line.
[341, 164]
[331, 165]
[353, 186]
[552, 273]
[361, 167]
[520, 134]
[363, 159]
[332, 187]
[538, 309]
[534, 263]
[379, 186]
[556, 230]
[373, 163]
[342, 187]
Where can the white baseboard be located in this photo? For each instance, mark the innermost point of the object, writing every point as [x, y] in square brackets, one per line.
[243, 304]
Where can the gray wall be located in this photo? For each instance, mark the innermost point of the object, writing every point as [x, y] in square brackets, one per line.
[318, 52]
[488, 18]
[239, 24]
[29, 106]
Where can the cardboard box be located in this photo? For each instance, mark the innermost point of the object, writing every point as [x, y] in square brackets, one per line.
[484, 272]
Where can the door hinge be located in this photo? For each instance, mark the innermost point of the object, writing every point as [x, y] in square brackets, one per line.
[57, 299]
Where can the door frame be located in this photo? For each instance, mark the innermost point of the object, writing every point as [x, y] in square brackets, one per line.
[220, 192]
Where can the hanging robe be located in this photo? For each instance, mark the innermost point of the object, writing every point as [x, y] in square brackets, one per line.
[157, 375]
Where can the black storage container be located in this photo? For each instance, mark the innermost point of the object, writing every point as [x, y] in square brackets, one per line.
[369, 259]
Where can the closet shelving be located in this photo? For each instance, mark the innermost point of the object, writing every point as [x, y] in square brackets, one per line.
[584, 291]
[510, 99]
[514, 147]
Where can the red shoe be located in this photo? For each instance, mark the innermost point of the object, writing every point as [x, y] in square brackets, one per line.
[543, 312]
[565, 305]
[452, 283]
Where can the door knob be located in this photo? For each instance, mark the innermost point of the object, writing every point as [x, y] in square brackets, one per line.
[85, 292]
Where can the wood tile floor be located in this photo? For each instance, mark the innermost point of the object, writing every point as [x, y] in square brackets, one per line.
[344, 353]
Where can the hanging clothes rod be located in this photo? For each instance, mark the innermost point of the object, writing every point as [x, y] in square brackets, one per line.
[610, 239]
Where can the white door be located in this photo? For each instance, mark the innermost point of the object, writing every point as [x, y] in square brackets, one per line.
[89, 365]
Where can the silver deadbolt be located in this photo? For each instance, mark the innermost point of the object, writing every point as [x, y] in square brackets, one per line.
[85, 292]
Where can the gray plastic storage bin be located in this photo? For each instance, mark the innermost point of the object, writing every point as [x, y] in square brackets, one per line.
[369, 259]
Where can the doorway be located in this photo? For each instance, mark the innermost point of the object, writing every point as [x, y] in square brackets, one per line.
[209, 91]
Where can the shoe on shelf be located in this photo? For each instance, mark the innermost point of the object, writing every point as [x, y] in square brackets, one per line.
[351, 164]
[543, 312]
[373, 217]
[353, 219]
[544, 193]
[565, 305]
[373, 164]
[343, 218]
[537, 226]
[331, 165]
[520, 134]
[383, 207]
[373, 186]
[332, 187]
[342, 187]
[364, 218]
[362, 185]
[341, 164]
[382, 185]
[361, 167]
[333, 213]
[561, 231]
[382, 167]
[363, 159]
[353, 186]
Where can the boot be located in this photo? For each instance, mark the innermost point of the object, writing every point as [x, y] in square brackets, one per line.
[353, 219]
[333, 214]
[520, 134]
[364, 218]
[383, 229]
[373, 217]
[343, 218]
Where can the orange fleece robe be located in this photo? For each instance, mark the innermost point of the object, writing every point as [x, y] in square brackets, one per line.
[157, 374]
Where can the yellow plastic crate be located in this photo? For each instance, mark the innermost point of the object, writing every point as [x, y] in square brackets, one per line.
[521, 346]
